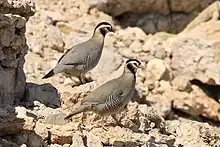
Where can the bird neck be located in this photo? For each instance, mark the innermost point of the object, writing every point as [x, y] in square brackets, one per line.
[98, 38]
[128, 75]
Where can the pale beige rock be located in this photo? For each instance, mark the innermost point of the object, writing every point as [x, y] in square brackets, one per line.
[160, 103]
[200, 133]
[55, 145]
[157, 68]
[56, 119]
[181, 83]
[196, 103]
[59, 134]
[193, 56]
[210, 13]
[77, 141]
[92, 140]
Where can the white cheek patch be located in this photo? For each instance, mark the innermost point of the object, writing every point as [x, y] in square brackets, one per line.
[134, 63]
[104, 26]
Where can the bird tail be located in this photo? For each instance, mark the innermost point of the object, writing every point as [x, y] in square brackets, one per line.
[50, 74]
[82, 108]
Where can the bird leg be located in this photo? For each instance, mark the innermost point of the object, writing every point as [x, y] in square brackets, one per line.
[82, 79]
[117, 122]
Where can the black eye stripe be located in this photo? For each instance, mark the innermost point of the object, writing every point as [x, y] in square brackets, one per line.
[103, 23]
[133, 61]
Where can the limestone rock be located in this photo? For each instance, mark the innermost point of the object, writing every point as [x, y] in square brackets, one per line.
[198, 131]
[58, 134]
[157, 68]
[196, 103]
[152, 16]
[77, 141]
[13, 48]
[193, 56]
[92, 140]
[181, 83]
[24, 8]
[210, 13]
[116, 8]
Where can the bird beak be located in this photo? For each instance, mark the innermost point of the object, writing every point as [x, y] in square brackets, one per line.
[141, 66]
[113, 30]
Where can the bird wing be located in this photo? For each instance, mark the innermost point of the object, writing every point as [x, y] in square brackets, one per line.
[109, 90]
[78, 53]
[63, 55]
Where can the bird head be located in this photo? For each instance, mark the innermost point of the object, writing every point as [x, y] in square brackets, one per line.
[103, 28]
[133, 65]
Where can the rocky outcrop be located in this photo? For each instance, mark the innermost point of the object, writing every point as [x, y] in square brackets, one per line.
[13, 47]
[152, 16]
[24, 8]
[116, 8]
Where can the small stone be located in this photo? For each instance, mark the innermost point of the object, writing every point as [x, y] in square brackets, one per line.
[56, 119]
[181, 83]
[77, 141]
[21, 112]
[157, 68]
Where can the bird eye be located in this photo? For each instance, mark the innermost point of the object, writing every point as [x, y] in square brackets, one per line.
[136, 64]
[109, 28]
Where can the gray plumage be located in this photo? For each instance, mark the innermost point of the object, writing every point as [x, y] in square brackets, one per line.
[83, 57]
[111, 97]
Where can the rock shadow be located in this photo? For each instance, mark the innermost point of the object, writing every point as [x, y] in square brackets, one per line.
[46, 94]
[152, 23]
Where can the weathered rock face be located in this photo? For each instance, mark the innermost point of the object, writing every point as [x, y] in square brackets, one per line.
[24, 8]
[116, 8]
[152, 16]
[13, 48]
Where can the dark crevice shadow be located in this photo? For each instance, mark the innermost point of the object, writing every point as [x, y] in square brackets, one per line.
[152, 23]
[211, 90]
[85, 142]
[46, 94]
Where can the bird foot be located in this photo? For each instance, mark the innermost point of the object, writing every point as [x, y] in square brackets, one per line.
[87, 128]
[88, 79]
[117, 122]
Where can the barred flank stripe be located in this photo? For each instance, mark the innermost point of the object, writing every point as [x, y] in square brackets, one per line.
[92, 60]
[112, 104]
